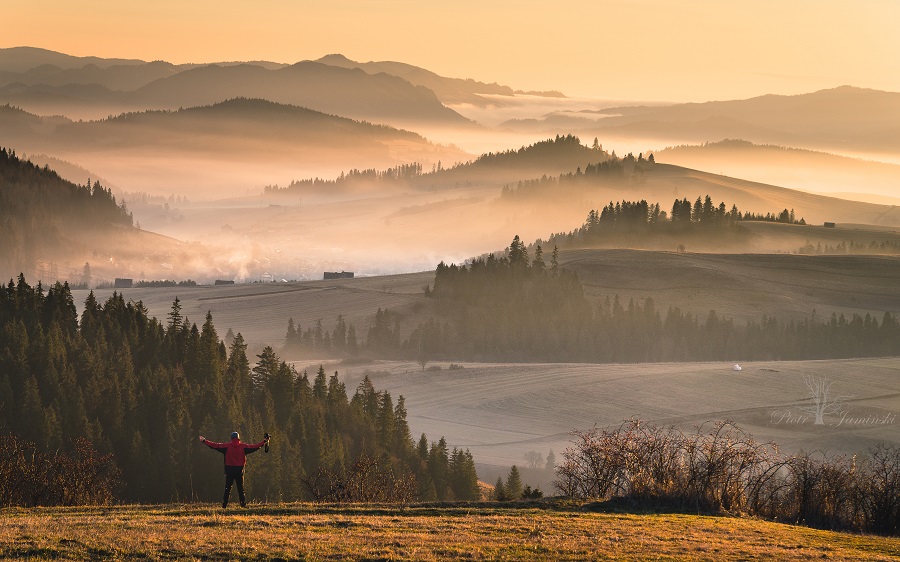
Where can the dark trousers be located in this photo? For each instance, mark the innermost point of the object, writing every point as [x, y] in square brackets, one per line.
[234, 475]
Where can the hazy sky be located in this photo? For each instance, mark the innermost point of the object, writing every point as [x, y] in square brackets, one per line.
[638, 49]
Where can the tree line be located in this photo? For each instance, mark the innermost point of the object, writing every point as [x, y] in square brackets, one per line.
[636, 219]
[400, 173]
[143, 390]
[885, 247]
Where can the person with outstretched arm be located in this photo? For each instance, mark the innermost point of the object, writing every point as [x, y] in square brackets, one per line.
[235, 453]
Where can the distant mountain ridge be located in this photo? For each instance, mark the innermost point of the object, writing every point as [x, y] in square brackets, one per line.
[45, 81]
[843, 118]
[235, 121]
[21, 59]
[340, 91]
[448, 90]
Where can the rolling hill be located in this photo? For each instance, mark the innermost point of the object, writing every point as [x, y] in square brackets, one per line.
[227, 123]
[821, 172]
[845, 119]
[663, 183]
[192, 150]
[739, 286]
[502, 411]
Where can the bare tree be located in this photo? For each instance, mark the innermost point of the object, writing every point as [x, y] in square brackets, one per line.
[534, 459]
[823, 401]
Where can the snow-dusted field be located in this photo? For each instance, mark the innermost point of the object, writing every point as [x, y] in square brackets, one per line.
[502, 411]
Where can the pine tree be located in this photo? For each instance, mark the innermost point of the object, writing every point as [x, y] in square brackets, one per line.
[551, 461]
[538, 263]
[514, 484]
[175, 317]
[500, 494]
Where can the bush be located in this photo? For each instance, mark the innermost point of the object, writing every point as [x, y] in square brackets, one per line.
[29, 477]
[722, 469]
[363, 482]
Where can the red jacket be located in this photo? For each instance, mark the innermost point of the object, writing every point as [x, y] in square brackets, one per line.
[235, 452]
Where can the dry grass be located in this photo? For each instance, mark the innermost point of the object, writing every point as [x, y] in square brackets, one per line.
[307, 532]
[745, 286]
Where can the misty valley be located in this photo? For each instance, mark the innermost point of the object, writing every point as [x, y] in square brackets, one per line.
[433, 293]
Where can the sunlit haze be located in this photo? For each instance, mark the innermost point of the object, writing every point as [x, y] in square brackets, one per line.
[644, 50]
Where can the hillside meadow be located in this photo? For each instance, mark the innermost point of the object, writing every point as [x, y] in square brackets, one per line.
[447, 532]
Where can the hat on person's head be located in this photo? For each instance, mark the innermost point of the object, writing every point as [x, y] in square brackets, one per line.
[234, 435]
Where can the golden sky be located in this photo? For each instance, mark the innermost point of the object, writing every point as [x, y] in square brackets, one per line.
[634, 49]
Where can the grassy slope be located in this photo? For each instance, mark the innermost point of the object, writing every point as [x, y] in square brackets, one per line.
[743, 286]
[297, 531]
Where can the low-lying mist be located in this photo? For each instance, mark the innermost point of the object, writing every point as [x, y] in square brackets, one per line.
[816, 172]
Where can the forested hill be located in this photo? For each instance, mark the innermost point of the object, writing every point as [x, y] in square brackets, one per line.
[42, 215]
[554, 155]
[559, 155]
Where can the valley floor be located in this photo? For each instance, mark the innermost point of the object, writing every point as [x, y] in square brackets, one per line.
[473, 532]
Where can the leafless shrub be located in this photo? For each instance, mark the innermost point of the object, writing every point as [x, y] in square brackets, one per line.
[880, 490]
[29, 477]
[720, 468]
[363, 482]
[820, 491]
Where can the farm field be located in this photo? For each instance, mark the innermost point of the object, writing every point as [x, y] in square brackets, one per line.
[502, 411]
[743, 286]
[474, 532]
[739, 286]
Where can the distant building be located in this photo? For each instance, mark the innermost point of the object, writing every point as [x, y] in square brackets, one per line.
[829, 225]
[224, 282]
[338, 275]
[122, 283]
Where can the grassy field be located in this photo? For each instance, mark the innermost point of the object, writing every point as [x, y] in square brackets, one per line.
[477, 532]
[743, 286]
